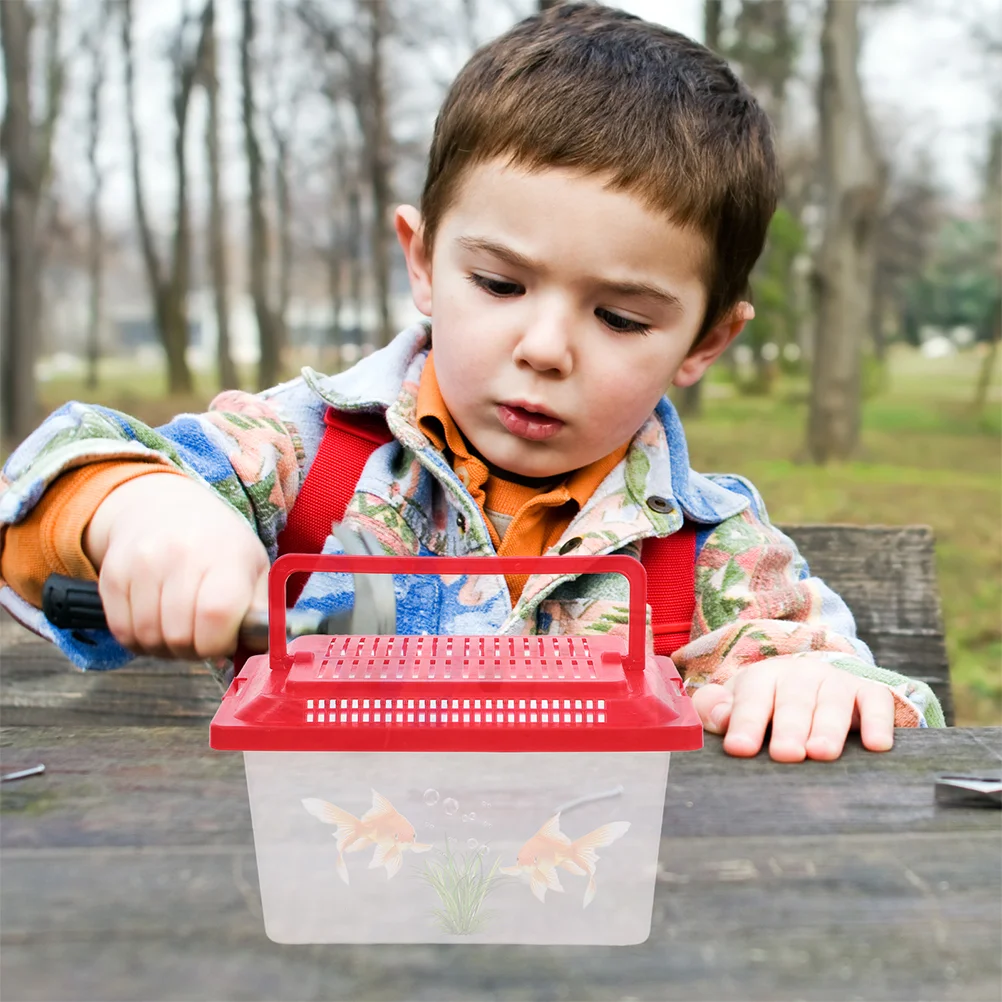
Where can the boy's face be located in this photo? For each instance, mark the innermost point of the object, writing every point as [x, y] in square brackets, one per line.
[561, 311]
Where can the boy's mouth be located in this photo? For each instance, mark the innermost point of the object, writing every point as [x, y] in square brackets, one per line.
[527, 423]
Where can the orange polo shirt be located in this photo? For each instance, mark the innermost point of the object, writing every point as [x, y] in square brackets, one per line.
[50, 539]
[524, 517]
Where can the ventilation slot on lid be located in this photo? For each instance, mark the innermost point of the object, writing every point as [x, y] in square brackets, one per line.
[475, 712]
[478, 659]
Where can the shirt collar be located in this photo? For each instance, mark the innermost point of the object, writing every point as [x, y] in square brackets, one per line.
[670, 477]
[433, 417]
[437, 423]
[389, 380]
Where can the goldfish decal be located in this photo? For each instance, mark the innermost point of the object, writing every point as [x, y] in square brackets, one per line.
[550, 848]
[382, 826]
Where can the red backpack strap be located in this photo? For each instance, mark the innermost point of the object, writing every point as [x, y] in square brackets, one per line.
[350, 438]
[670, 563]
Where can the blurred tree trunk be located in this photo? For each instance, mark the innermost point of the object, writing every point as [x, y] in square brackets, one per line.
[336, 244]
[765, 49]
[27, 149]
[284, 204]
[355, 253]
[95, 246]
[378, 156]
[227, 371]
[470, 25]
[347, 188]
[992, 200]
[712, 13]
[270, 331]
[991, 357]
[878, 313]
[170, 292]
[690, 398]
[853, 181]
[335, 288]
[282, 126]
[362, 80]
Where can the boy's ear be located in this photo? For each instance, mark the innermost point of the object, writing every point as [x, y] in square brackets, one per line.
[713, 344]
[410, 232]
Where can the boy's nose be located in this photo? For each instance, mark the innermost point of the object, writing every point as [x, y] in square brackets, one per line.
[545, 344]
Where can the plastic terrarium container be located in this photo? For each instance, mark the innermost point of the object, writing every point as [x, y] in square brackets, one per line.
[435, 789]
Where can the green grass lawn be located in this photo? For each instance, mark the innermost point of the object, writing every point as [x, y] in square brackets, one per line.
[924, 458]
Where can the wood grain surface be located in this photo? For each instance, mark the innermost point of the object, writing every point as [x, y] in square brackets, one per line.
[127, 872]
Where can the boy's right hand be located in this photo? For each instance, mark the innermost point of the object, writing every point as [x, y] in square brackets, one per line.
[178, 568]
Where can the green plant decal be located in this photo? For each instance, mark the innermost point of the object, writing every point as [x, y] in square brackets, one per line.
[462, 887]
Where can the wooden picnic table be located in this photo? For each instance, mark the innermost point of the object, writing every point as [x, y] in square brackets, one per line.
[128, 872]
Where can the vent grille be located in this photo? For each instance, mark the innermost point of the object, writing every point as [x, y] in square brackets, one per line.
[472, 712]
[499, 659]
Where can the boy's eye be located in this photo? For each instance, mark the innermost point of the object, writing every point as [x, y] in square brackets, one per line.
[495, 286]
[621, 324]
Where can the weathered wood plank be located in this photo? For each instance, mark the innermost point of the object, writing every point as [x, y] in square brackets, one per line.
[38, 686]
[165, 786]
[128, 873]
[887, 577]
[798, 920]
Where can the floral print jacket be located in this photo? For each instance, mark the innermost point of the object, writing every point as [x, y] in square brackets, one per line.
[755, 597]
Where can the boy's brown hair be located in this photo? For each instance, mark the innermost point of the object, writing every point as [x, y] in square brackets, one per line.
[595, 89]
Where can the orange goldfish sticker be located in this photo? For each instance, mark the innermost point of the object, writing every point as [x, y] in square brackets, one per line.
[550, 848]
[382, 826]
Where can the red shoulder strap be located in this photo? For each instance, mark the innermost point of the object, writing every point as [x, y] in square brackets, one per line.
[350, 437]
[670, 563]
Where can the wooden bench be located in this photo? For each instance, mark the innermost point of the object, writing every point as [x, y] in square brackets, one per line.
[886, 575]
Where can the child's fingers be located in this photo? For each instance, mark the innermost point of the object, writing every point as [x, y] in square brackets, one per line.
[832, 718]
[754, 699]
[144, 605]
[177, 610]
[137, 570]
[223, 598]
[795, 702]
[713, 704]
[114, 592]
[875, 705]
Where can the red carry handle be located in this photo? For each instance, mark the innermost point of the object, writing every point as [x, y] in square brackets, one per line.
[292, 563]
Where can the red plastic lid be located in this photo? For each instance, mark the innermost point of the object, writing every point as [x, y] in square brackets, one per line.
[457, 693]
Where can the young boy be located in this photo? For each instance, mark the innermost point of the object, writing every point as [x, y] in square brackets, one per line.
[597, 193]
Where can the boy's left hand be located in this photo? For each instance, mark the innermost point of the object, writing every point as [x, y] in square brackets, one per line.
[811, 704]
